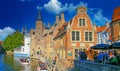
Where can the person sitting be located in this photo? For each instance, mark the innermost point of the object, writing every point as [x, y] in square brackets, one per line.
[100, 57]
[114, 60]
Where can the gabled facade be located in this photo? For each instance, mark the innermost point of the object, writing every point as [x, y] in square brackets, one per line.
[78, 34]
[115, 25]
[59, 38]
[63, 40]
[81, 34]
[104, 34]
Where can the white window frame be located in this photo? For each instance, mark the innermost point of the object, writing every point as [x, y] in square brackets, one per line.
[88, 36]
[82, 23]
[75, 36]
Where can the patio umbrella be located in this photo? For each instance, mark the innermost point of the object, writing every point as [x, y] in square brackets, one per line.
[115, 45]
[100, 46]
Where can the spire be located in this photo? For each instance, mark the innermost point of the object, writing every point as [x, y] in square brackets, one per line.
[39, 13]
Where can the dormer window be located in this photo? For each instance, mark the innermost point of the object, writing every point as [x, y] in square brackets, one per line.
[81, 22]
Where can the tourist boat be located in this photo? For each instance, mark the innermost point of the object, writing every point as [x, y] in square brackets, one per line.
[24, 61]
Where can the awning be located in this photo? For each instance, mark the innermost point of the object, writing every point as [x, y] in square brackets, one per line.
[115, 45]
[100, 46]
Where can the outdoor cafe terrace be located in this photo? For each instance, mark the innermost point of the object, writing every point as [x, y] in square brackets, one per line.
[101, 57]
[102, 53]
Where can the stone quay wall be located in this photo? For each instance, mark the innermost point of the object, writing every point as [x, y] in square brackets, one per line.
[92, 66]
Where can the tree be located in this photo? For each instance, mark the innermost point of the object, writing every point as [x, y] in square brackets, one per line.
[12, 41]
[1, 49]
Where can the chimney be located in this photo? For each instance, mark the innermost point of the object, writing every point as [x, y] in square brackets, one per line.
[62, 18]
[94, 27]
[57, 18]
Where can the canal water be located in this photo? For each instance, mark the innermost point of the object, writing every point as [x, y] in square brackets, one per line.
[11, 63]
[7, 63]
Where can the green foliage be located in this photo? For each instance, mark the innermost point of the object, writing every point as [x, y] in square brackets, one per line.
[12, 41]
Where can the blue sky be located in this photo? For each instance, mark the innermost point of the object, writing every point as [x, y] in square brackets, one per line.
[14, 14]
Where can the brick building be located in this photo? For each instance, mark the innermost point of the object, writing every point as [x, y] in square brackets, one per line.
[63, 40]
[36, 37]
[75, 35]
[115, 25]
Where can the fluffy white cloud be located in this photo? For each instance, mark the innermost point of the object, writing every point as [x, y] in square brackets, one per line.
[5, 32]
[54, 6]
[97, 16]
[71, 7]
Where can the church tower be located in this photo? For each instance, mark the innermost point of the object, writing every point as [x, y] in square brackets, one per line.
[39, 23]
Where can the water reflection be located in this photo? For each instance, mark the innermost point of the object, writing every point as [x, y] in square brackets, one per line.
[7, 63]
[11, 63]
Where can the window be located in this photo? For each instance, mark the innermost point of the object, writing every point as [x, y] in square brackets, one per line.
[88, 36]
[106, 41]
[101, 41]
[75, 36]
[37, 52]
[78, 52]
[81, 22]
[33, 33]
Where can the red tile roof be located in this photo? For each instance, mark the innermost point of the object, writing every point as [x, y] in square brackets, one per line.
[101, 28]
[116, 14]
[0, 42]
[61, 30]
[59, 34]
